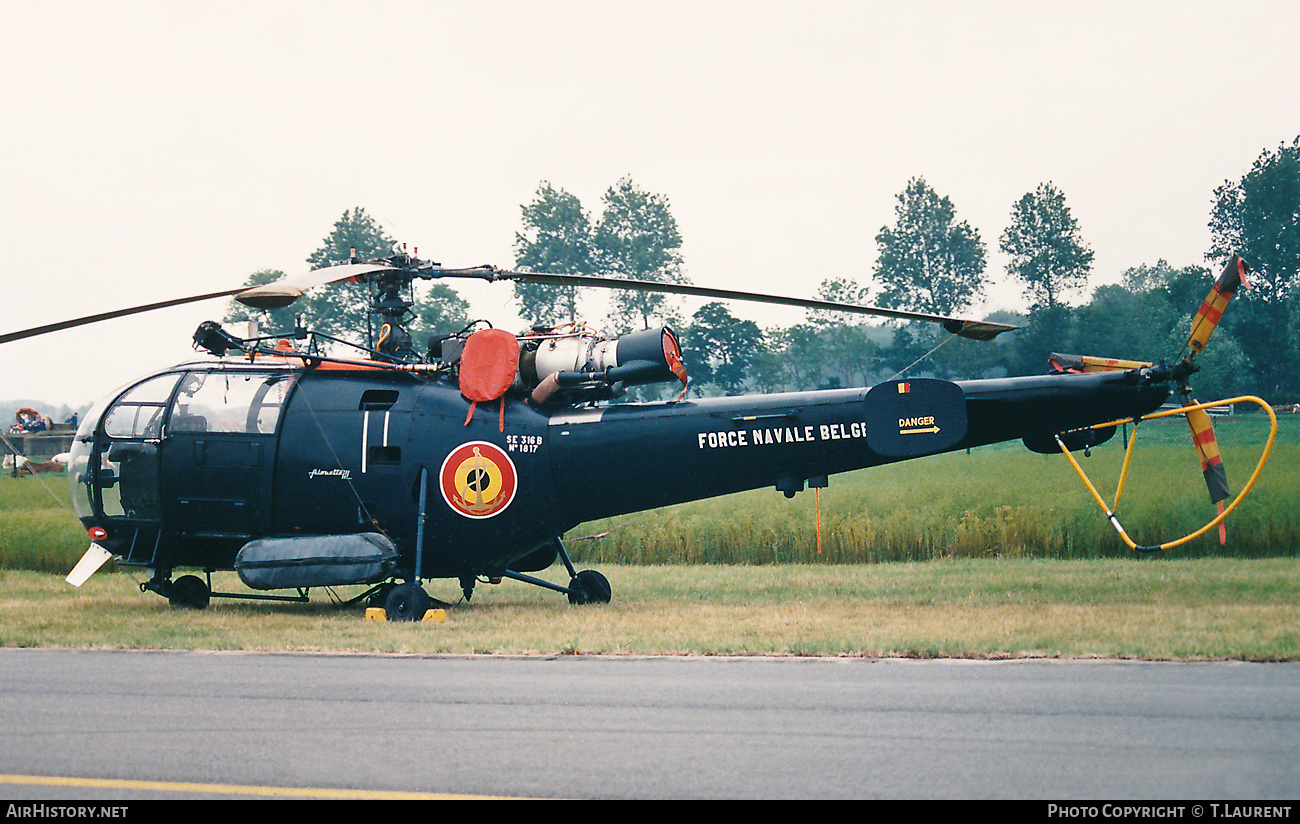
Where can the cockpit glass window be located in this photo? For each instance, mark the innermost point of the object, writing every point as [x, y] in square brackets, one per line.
[245, 402]
[138, 413]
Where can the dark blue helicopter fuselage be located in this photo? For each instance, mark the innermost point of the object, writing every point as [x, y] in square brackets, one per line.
[186, 467]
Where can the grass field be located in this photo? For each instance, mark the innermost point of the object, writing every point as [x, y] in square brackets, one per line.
[1163, 609]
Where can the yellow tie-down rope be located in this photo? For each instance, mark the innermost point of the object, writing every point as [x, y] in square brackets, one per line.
[1128, 453]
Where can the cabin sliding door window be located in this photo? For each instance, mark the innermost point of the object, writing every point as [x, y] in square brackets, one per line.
[235, 402]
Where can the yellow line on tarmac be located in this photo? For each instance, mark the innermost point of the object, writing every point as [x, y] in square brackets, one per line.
[233, 789]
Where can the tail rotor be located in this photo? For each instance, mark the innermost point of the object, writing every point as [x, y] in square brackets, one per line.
[1203, 325]
[1198, 418]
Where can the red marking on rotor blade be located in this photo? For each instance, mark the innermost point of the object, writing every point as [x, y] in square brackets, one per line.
[1204, 436]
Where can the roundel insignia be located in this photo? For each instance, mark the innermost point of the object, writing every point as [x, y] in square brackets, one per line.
[478, 479]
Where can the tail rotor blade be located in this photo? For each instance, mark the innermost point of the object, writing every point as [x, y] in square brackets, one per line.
[1207, 450]
[1212, 308]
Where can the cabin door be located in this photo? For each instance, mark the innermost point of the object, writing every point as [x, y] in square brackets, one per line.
[218, 454]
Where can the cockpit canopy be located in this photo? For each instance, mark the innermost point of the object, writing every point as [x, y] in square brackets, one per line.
[114, 461]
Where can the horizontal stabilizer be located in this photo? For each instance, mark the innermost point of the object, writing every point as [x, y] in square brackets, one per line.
[1088, 363]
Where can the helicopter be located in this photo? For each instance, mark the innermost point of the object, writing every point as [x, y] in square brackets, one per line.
[298, 468]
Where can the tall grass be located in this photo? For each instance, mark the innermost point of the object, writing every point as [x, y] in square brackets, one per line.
[38, 528]
[998, 501]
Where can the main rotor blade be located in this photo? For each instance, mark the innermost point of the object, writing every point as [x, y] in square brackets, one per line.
[268, 296]
[974, 329]
[119, 313]
[286, 290]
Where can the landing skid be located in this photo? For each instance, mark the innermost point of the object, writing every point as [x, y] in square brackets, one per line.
[406, 601]
[193, 592]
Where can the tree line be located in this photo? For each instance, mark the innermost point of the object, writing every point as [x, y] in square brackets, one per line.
[927, 261]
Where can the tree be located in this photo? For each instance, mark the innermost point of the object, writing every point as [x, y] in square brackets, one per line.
[904, 349]
[1183, 289]
[1258, 217]
[850, 352]
[637, 239]
[343, 312]
[1132, 324]
[837, 290]
[1160, 304]
[1047, 253]
[927, 261]
[439, 310]
[844, 343]
[768, 370]
[791, 358]
[355, 234]
[723, 348]
[556, 237]
[1046, 329]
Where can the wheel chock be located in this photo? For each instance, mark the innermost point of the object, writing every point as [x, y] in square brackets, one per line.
[431, 616]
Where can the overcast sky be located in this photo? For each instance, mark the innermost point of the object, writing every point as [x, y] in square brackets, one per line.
[159, 149]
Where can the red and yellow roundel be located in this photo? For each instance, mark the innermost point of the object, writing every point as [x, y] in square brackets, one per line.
[478, 479]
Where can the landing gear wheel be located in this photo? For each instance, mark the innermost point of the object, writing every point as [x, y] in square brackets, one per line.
[589, 587]
[407, 602]
[189, 592]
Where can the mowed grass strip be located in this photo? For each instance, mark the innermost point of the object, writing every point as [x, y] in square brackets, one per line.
[1160, 609]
